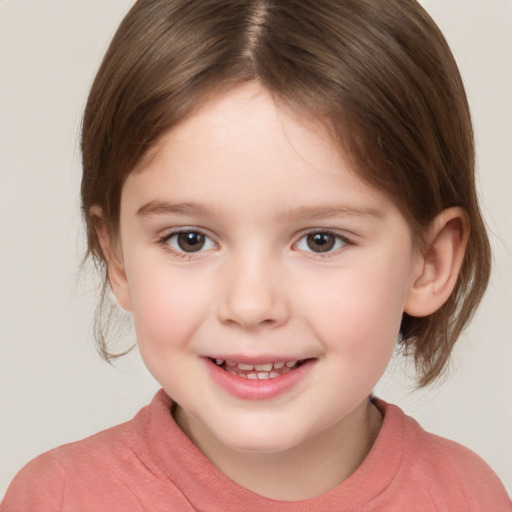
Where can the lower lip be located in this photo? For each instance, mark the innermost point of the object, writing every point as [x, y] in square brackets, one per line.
[265, 389]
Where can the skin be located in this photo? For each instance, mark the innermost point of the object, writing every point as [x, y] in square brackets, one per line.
[255, 180]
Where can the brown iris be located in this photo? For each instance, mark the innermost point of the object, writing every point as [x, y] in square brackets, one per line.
[321, 242]
[191, 241]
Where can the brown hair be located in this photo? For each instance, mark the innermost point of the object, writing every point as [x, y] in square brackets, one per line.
[378, 72]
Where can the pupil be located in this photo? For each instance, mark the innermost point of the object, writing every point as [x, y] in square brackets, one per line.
[190, 242]
[320, 242]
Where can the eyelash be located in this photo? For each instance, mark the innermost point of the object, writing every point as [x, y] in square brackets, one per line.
[189, 255]
[331, 252]
[182, 254]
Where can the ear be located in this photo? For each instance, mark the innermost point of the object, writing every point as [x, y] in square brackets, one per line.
[439, 264]
[111, 247]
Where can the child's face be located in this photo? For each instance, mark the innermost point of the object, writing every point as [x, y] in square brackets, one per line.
[282, 254]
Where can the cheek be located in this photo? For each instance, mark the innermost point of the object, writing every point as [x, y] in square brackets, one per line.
[359, 310]
[167, 308]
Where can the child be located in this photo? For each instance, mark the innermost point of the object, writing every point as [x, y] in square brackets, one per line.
[277, 191]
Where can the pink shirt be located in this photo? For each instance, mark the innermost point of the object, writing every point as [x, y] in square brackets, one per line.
[148, 464]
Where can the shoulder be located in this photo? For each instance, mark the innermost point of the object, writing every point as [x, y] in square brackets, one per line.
[44, 483]
[112, 470]
[38, 486]
[451, 475]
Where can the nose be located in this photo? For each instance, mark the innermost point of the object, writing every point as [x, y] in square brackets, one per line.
[253, 293]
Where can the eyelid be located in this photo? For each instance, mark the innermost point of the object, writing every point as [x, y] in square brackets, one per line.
[168, 233]
[164, 240]
[347, 242]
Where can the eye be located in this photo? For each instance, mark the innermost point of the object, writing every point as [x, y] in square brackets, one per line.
[321, 242]
[189, 241]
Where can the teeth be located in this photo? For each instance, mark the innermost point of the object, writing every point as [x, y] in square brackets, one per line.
[263, 367]
[234, 373]
[260, 369]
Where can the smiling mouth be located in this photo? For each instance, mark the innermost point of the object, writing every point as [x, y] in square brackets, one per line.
[258, 371]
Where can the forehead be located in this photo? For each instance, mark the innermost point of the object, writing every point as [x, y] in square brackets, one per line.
[237, 117]
[243, 144]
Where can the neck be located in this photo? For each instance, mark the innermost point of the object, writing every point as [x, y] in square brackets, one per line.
[302, 472]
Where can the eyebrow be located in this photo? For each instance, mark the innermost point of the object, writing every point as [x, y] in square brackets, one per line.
[329, 211]
[309, 213]
[164, 208]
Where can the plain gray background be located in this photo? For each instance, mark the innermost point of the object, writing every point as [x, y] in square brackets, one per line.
[54, 388]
